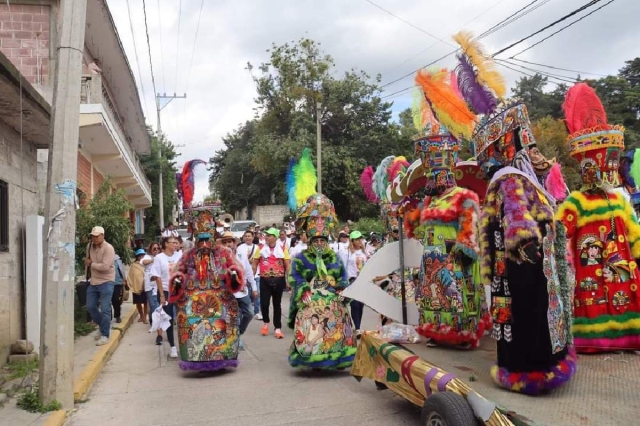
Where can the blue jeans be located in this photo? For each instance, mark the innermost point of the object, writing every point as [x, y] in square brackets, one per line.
[153, 304]
[244, 304]
[256, 301]
[99, 296]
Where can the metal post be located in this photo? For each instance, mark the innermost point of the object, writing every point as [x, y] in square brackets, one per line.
[403, 289]
[319, 145]
[56, 329]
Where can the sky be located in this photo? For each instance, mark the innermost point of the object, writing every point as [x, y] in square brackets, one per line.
[210, 67]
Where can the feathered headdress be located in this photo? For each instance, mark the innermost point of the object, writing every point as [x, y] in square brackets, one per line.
[555, 183]
[478, 81]
[187, 182]
[366, 182]
[635, 165]
[450, 110]
[301, 180]
[422, 113]
[179, 185]
[381, 178]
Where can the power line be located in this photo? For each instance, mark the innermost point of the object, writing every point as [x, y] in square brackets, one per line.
[565, 17]
[562, 78]
[562, 29]
[146, 30]
[178, 43]
[558, 68]
[194, 45]
[514, 17]
[164, 81]
[409, 23]
[135, 51]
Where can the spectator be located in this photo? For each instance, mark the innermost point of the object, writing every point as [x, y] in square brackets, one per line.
[354, 258]
[248, 250]
[150, 288]
[100, 261]
[170, 232]
[163, 265]
[119, 283]
[135, 279]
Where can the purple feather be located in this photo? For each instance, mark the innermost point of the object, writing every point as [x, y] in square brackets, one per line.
[179, 184]
[479, 98]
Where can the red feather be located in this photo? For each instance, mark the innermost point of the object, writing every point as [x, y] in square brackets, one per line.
[396, 167]
[583, 109]
[188, 184]
[366, 181]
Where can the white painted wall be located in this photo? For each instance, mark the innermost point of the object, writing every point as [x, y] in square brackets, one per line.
[34, 246]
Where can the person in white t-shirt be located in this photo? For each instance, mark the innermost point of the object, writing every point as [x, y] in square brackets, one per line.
[150, 287]
[248, 249]
[163, 265]
[300, 247]
[242, 297]
[373, 245]
[354, 259]
[169, 231]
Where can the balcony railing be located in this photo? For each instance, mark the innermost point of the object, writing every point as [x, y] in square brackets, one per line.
[94, 92]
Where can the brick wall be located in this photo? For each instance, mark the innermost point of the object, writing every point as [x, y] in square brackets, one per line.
[97, 180]
[84, 175]
[23, 201]
[24, 39]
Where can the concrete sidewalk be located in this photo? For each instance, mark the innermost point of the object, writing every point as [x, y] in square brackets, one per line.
[141, 386]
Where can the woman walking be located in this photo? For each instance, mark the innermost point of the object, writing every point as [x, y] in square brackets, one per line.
[353, 257]
[150, 287]
[135, 279]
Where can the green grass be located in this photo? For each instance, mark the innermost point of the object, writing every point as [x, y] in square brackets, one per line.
[30, 402]
[83, 328]
[21, 369]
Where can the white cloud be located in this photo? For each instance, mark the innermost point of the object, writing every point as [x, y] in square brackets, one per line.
[355, 33]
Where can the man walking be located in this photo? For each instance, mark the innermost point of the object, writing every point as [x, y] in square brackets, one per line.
[100, 263]
[273, 261]
[242, 297]
[247, 250]
[118, 289]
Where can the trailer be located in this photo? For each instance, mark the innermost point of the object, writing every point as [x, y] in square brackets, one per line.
[454, 387]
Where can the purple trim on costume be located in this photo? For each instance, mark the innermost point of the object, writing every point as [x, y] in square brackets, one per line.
[444, 380]
[208, 365]
[428, 378]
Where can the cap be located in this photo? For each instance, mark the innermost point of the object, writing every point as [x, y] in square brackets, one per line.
[355, 235]
[343, 234]
[140, 251]
[97, 230]
[273, 231]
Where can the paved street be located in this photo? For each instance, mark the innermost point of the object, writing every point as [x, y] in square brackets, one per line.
[141, 386]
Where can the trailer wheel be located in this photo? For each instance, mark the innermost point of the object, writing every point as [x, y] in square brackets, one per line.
[447, 409]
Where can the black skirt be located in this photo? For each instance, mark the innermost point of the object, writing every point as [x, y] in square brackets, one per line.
[140, 298]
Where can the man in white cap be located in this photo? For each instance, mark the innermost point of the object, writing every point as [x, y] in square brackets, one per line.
[102, 274]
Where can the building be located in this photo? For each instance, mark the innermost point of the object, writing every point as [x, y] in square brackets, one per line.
[112, 132]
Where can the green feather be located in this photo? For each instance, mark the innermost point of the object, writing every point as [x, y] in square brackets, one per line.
[305, 177]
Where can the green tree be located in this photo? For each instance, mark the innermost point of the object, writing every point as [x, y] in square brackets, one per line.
[540, 103]
[151, 164]
[108, 208]
[551, 137]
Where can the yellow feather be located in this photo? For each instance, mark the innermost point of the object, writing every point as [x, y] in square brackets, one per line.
[486, 73]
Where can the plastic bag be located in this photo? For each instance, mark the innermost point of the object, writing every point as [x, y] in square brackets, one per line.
[399, 333]
[160, 319]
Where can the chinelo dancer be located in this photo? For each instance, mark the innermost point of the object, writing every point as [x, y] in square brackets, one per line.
[453, 310]
[324, 336]
[203, 288]
[522, 248]
[603, 231]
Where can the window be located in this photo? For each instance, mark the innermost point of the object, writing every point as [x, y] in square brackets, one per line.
[4, 216]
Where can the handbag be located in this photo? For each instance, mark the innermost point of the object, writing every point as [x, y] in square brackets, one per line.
[125, 293]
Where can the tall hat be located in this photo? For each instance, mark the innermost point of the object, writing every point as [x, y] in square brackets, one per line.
[596, 145]
[317, 216]
[202, 221]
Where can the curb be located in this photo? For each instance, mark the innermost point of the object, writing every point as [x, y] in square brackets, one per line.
[55, 418]
[83, 383]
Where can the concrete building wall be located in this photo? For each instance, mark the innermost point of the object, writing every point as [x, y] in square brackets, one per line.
[18, 170]
[267, 215]
[25, 39]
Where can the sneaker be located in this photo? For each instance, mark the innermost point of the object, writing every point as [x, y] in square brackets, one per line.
[118, 320]
[258, 316]
[174, 352]
[158, 340]
[97, 336]
[151, 330]
[278, 334]
[103, 340]
[265, 329]
[240, 345]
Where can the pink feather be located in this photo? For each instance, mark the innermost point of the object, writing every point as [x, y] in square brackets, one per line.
[453, 81]
[366, 181]
[396, 167]
[555, 183]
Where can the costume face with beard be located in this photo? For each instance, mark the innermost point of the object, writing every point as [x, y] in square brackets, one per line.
[540, 164]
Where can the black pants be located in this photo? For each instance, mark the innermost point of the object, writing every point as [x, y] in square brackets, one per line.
[168, 308]
[116, 301]
[272, 287]
[357, 309]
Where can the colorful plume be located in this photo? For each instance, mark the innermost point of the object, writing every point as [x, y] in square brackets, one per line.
[305, 177]
[399, 165]
[450, 110]
[583, 109]
[366, 182]
[188, 184]
[479, 98]
[291, 185]
[179, 185]
[421, 111]
[555, 183]
[381, 178]
[635, 166]
[482, 64]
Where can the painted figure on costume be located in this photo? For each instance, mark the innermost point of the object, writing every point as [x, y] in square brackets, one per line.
[323, 333]
[603, 232]
[202, 288]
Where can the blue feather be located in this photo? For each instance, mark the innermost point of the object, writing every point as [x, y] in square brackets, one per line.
[291, 185]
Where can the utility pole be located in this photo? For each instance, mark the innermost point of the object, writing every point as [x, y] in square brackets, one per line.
[319, 145]
[158, 109]
[56, 326]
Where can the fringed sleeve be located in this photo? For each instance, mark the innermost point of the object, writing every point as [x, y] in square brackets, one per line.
[519, 224]
[412, 219]
[178, 277]
[568, 214]
[566, 278]
[467, 239]
[633, 229]
[232, 264]
[301, 272]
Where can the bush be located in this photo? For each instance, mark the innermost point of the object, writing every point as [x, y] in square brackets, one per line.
[110, 209]
[367, 225]
[30, 402]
